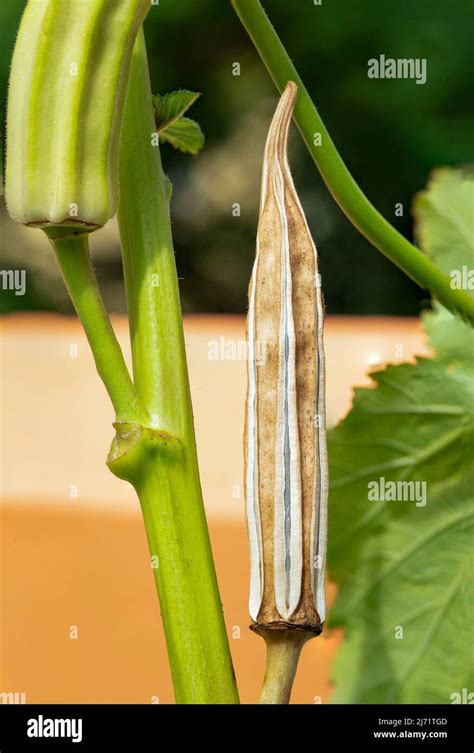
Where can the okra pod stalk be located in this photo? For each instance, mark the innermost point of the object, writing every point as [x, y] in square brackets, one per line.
[285, 441]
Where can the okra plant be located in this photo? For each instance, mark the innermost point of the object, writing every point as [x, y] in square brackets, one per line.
[81, 122]
[83, 132]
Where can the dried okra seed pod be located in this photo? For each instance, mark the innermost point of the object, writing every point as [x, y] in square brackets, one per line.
[285, 440]
[68, 84]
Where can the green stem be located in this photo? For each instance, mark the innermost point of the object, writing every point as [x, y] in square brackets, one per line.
[168, 482]
[283, 654]
[335, 174]
[72, 253]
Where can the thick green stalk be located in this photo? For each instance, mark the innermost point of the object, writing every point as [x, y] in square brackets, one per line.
[72, 253]
[335, 174]
[161, 461]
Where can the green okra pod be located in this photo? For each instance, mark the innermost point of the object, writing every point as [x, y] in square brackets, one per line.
[68, 84]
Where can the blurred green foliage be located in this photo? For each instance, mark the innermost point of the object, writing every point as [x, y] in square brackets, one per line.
[391, 133]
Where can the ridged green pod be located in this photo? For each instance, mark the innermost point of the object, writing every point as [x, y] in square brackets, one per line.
[68, 84]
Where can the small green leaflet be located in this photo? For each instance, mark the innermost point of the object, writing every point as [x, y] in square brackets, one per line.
[182, 133]
[185, 135]
[170, 107]
[404, 567]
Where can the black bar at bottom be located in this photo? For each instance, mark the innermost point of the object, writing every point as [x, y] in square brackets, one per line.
[318, 727]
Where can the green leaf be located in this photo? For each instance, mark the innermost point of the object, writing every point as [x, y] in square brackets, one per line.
[444, 223]
[451, 338]
[170, 107]
[184, 134]
[403, 567]
[444, 216]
